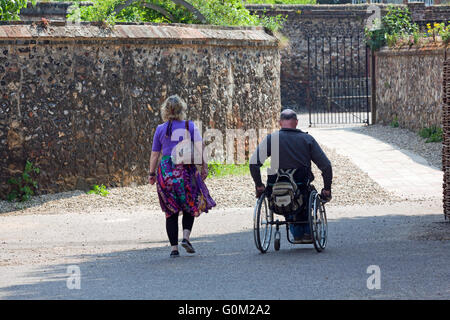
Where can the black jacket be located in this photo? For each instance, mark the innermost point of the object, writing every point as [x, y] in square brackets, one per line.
[290, 149]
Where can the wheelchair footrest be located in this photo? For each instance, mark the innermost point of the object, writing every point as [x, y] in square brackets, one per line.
[302, 242]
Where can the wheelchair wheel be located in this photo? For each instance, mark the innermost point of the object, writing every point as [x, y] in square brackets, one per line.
[318, 221]
[277, 241]
[262, 227]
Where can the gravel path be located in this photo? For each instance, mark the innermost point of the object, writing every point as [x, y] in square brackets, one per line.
[406, 140]
[351, 186]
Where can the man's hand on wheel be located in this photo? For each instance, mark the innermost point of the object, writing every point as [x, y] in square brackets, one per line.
[325, 195]
[260, 190]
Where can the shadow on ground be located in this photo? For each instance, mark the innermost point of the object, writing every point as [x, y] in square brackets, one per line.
[228, 266]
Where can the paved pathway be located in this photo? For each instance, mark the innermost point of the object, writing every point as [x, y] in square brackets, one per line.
[399, 171]
[125, 255]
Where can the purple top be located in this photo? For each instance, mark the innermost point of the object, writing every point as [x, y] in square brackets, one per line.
[160, 141]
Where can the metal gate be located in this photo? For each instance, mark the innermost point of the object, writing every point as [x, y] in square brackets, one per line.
[338, 85]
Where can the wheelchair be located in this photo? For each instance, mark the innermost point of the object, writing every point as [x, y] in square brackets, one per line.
[316, 218]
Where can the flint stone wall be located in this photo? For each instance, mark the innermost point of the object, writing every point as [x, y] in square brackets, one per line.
[333, 21]
[303, 21]
[311, 21]
[409, 86]
[446, 137]
[82, 103]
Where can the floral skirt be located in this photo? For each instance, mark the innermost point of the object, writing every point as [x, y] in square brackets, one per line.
[181, 188]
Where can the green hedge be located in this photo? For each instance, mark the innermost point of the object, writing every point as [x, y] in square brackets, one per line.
[281, 1]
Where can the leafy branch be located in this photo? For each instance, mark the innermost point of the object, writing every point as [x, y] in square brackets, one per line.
[24, 186]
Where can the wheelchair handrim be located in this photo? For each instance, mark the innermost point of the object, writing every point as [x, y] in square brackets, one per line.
[262, 243]
[318, 223]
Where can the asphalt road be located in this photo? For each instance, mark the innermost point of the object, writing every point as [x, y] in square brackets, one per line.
[126, 255]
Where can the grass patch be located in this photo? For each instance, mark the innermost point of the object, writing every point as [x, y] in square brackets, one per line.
[431, 134]
[220, 170]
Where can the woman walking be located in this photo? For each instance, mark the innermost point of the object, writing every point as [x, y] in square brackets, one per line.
[180, 185]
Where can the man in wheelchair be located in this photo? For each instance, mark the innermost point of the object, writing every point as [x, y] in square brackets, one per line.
[291, 151]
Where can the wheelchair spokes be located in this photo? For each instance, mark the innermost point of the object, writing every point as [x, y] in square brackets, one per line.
[262, 224]
[263, 221]
[318, 224]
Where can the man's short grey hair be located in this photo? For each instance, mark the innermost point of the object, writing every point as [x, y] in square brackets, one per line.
[288, 114]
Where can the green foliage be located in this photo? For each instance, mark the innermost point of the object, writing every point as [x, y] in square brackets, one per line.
[439, 29]
[416, 37]
[375, 38]
[216, 12]
[281, 1]
[99, 190]
[396, 29]
[394, 123]
[218, 170]
[398, 20]
[23, 186]
[396, 24]
[10, 9]
[431, 134]
[391, 39]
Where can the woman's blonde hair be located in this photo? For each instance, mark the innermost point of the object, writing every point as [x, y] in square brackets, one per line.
[174, 108]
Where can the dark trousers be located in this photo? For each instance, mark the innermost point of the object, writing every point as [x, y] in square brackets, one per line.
[172, 226]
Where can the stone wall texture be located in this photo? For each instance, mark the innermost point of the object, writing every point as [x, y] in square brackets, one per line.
[409, 86]
[323, 22]
[328, 21]
[446, 137]
[303, 21]
[82, 102]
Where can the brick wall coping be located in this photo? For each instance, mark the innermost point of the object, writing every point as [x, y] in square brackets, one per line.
[432, 49]
[314, 9]
[144, 32]
[419, 11]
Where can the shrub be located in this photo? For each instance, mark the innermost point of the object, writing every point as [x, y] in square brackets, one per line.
[392, 27]
[395, 123]
[375, 38]
[398, 20]
[281, 1]
[216, 12]
[23, 186]
[10, 9]
[99, 190]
